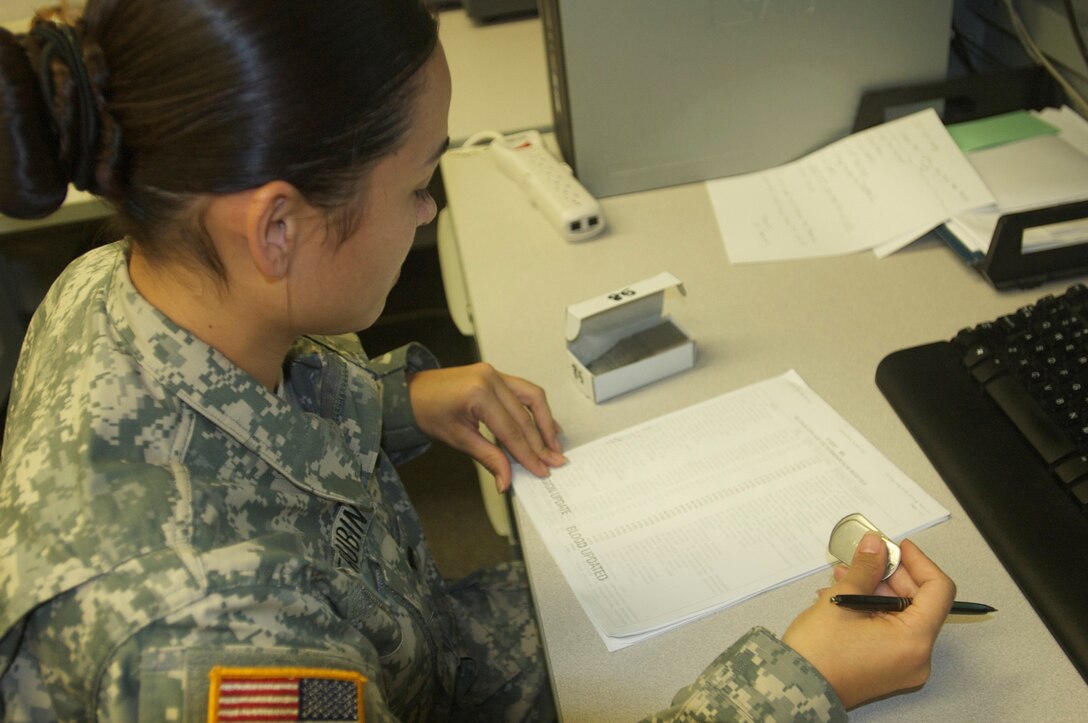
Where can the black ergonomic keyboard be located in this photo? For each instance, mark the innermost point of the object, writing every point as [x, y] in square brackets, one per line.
[1001, 411]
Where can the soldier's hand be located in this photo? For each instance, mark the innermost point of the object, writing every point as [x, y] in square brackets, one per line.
[867, 655]
[450, 404]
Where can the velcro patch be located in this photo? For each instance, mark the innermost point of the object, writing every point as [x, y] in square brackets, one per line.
[285, 694]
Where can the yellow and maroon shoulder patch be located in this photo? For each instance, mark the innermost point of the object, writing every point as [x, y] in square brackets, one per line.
[259, 695]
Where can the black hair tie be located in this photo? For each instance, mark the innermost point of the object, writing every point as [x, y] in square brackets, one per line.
[60, 41]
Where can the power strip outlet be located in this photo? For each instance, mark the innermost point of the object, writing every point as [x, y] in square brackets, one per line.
[550, 185]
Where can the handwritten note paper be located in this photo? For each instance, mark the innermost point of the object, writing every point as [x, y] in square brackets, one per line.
[889, 183]
[702, 508]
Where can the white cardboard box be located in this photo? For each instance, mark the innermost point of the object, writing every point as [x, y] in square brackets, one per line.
[622, 340]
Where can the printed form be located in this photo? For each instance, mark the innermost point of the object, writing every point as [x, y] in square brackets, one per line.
[702, 508]
[880, 188]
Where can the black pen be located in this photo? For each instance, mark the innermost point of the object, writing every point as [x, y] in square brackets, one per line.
[883, 603]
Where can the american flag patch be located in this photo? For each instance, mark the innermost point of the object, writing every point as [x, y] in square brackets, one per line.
[256, 695]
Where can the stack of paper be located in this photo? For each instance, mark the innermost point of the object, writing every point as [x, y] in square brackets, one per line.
[702, 508]
[886, 186]
[1030, 169]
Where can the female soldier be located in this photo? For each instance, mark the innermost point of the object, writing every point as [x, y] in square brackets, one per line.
[199, 511]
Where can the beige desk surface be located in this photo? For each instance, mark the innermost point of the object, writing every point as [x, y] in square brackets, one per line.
[77, 206]
[830, 319]
[500, 75]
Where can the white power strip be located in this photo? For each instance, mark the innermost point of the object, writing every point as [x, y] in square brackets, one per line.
[548, 182]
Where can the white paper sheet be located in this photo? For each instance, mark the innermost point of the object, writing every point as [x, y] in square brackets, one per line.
[864, 191]
[702, 508]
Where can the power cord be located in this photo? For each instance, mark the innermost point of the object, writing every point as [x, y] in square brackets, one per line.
[1074, 25]
[1036, 54]
[477, 138]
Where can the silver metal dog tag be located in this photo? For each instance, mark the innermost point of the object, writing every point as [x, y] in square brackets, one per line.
[848, 532]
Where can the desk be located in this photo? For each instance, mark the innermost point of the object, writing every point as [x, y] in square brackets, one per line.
[500, 75]
[830, 319]
[78, 206]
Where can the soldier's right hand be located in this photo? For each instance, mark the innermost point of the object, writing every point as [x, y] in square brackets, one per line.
[866, 655]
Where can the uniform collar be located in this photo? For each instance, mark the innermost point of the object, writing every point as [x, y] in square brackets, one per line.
[308, 449]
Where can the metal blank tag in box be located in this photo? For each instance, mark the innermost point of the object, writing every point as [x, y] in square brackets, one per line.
[620, 340]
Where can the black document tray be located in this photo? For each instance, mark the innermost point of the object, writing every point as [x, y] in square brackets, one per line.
[1005, 265]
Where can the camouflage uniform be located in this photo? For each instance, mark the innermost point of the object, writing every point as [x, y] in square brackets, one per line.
[758, 678]
[164, 517]
[161, 513]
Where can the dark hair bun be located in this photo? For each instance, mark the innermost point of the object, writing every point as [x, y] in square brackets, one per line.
[33, 183]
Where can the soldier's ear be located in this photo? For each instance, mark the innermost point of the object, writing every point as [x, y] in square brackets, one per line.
[274, 224]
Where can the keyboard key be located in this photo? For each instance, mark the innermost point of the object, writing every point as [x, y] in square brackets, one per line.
[1049, 439]
[1080, 493]
[1073, 470]
[987, 370]
[977, 353]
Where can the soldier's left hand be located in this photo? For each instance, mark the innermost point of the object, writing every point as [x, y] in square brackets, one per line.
[450, 404]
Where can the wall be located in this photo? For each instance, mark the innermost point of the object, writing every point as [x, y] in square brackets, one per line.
[985, 24]
[17, 9]
[21, 9]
